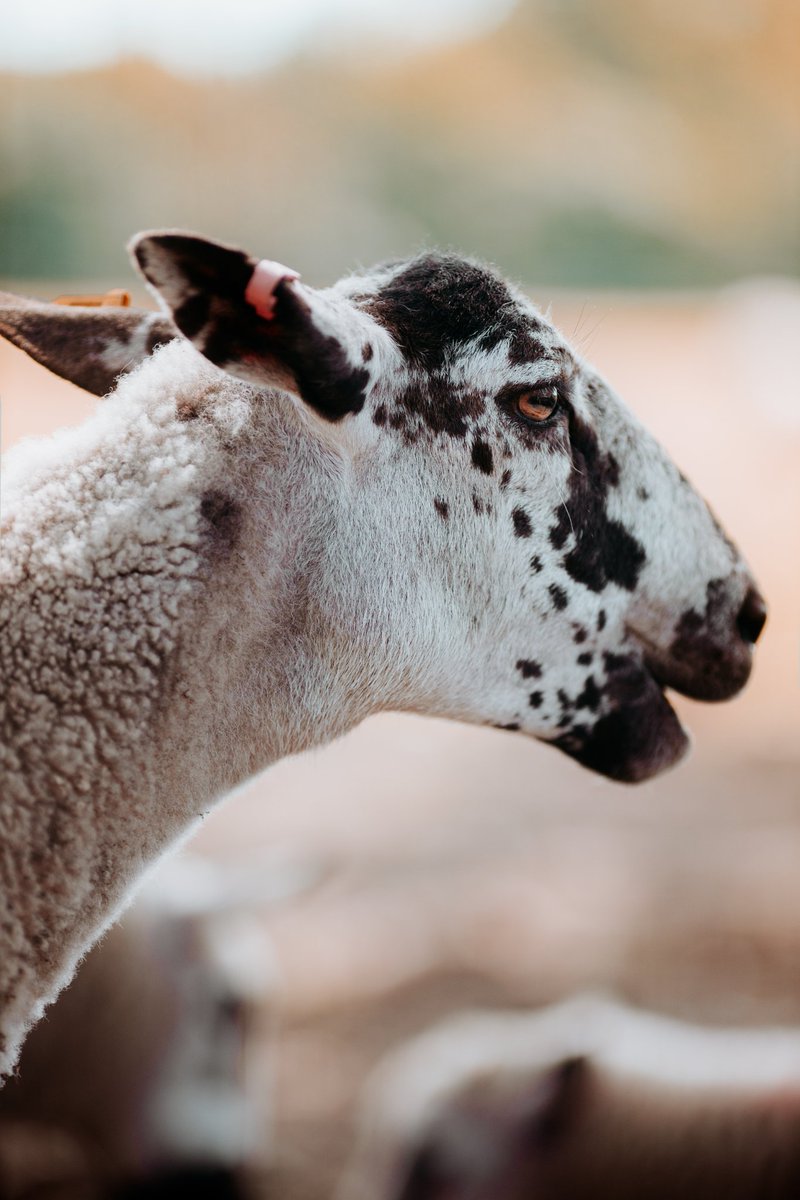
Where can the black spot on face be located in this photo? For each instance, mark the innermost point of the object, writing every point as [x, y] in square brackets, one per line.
[567, 707]
[536, 564]
[535, 699]
[601, 620]
[442, 507]
[379, 416]
[585, 659]
[505, 480]
[477, 504]
[603, 550]
[643, 493]
[482, 456]
[580, 635]
[433, 403]
[440, 302]
[590, 697]
[367, 352]
[526, 344]
[522, 523]
[529, 668]
[559, 596]
[616, 662]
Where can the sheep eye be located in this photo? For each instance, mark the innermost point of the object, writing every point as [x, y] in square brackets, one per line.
[538, 406]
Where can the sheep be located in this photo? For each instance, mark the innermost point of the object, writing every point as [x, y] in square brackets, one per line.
[588, 1098]
[154, 1068]
[298, 507]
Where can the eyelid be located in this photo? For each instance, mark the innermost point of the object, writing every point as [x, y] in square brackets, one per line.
[512, 391]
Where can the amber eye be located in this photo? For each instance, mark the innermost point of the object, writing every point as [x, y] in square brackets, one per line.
[539, 405]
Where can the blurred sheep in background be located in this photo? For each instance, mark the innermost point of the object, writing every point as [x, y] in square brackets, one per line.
[589, 1098]
[154, 1068]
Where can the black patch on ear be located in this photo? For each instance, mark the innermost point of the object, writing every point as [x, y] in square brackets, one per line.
[604, 551]
[439, 302]
[482, 456]
[522, 523]
[193, 315]
[325, 378]
[442, 507]
[205, 282]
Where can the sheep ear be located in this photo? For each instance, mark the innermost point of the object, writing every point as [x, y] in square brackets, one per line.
[256, 320]
[89, 346]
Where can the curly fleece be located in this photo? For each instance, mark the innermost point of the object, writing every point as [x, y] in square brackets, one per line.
[100, 534]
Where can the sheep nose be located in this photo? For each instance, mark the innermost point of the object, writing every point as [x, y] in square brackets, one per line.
[752, 616]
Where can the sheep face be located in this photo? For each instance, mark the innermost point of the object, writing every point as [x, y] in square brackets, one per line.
[503, 543]
[546, 562]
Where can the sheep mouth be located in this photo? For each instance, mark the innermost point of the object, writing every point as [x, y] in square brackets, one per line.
[709, 673]
[638, 737]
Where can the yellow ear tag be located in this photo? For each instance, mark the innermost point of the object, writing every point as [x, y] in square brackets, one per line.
[116, 298]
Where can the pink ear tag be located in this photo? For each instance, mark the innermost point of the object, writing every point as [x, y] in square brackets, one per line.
[260, 291]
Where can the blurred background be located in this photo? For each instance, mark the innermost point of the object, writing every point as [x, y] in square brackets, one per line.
[636, 166]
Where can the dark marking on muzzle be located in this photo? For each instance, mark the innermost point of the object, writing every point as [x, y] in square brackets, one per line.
[637, 738]
[708, 658]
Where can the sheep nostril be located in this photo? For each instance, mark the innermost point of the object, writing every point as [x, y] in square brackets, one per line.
[752, 616]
